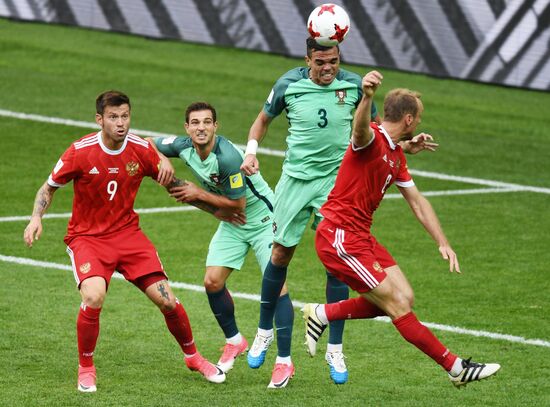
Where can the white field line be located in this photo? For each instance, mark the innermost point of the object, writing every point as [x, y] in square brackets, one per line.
[277, 153]
[182, 208]
[297, 304]
[67, 215]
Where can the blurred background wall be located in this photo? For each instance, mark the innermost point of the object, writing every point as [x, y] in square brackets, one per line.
[497, 41]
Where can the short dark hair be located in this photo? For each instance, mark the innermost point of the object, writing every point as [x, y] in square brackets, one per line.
[399, 102]
[198, 106]
[111, 98]
[312, 45]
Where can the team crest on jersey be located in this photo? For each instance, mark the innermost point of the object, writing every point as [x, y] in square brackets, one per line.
[215, 178]
[341, 95]
[274, 227]
[377, 267]
[85, 268]
[132, 168]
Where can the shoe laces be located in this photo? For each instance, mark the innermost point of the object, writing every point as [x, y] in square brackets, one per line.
[280, 368]
[229, 350]
[261, 342]
[336, 359]
[468, 364]
[207, 368]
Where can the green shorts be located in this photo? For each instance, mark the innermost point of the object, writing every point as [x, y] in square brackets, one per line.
[295, 201]
[230, 244]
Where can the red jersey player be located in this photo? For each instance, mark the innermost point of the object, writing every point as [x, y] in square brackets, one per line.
[373, 162]
[104, 234]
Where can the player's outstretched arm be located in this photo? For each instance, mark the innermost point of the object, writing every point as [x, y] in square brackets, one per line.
[425, 214]
[362, 134]
[43, 199]
[420, 142]
[256, 133]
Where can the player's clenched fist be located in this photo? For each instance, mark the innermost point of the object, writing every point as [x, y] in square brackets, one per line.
[370, 82]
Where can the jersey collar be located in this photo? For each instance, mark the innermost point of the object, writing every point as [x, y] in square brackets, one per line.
[109, 151]
[385, 133]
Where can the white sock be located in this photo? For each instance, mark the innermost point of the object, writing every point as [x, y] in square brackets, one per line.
[187, 356]
[286, 360]
[265, 332]
[457, 367]
[235, 340]
[320, 312]
[334, 347]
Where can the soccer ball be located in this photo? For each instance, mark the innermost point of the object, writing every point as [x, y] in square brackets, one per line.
[328, 24]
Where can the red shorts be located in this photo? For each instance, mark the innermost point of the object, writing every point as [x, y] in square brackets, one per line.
[357, 260]
[129, 252]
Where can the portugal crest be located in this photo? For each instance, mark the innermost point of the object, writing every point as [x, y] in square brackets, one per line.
[341, 95]
[132, 168]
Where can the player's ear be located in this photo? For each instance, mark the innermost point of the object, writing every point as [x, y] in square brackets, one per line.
[99, 119]
[307, 59]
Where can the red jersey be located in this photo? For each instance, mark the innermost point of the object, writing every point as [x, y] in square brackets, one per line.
[362, 181]
[105, 184]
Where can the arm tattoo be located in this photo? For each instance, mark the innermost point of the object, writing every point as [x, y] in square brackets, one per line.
[163, 291]
[42, 201]
[176, 182]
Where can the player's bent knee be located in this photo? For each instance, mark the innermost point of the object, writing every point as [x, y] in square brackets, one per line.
[281, 255]
[93, 299]
[213, 285]
[167, 304]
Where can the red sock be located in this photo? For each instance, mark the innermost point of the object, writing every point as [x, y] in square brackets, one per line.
[178, 324]
[354, 308]
[414, 332]
[87, 331]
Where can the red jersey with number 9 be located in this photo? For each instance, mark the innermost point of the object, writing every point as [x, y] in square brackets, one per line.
[364, 177]
[105, 183]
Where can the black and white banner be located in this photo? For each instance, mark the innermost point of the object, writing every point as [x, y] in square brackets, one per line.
[498, 41]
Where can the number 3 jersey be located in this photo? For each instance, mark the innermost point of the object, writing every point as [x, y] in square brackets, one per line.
[363, 179]
[105, 183]
[319, 120]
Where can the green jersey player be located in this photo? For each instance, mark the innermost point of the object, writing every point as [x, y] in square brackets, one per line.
[244, 204]
[319, 101]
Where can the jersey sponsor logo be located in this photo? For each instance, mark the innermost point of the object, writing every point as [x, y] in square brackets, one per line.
[274, 228]
[377, 267]
[264, 220]
[85, 268]
[94, 171]
[298, 95]
[236, 181]
[58, 166]
[113, 170]
[341, 95]
[270, 97]
[132, 168]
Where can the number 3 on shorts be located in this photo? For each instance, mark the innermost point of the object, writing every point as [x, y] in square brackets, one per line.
[111, 189]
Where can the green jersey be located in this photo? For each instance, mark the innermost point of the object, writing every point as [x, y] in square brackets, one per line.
[320, 120]
[220, 174]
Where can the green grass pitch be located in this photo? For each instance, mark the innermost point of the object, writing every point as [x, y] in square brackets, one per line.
[502, 239]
